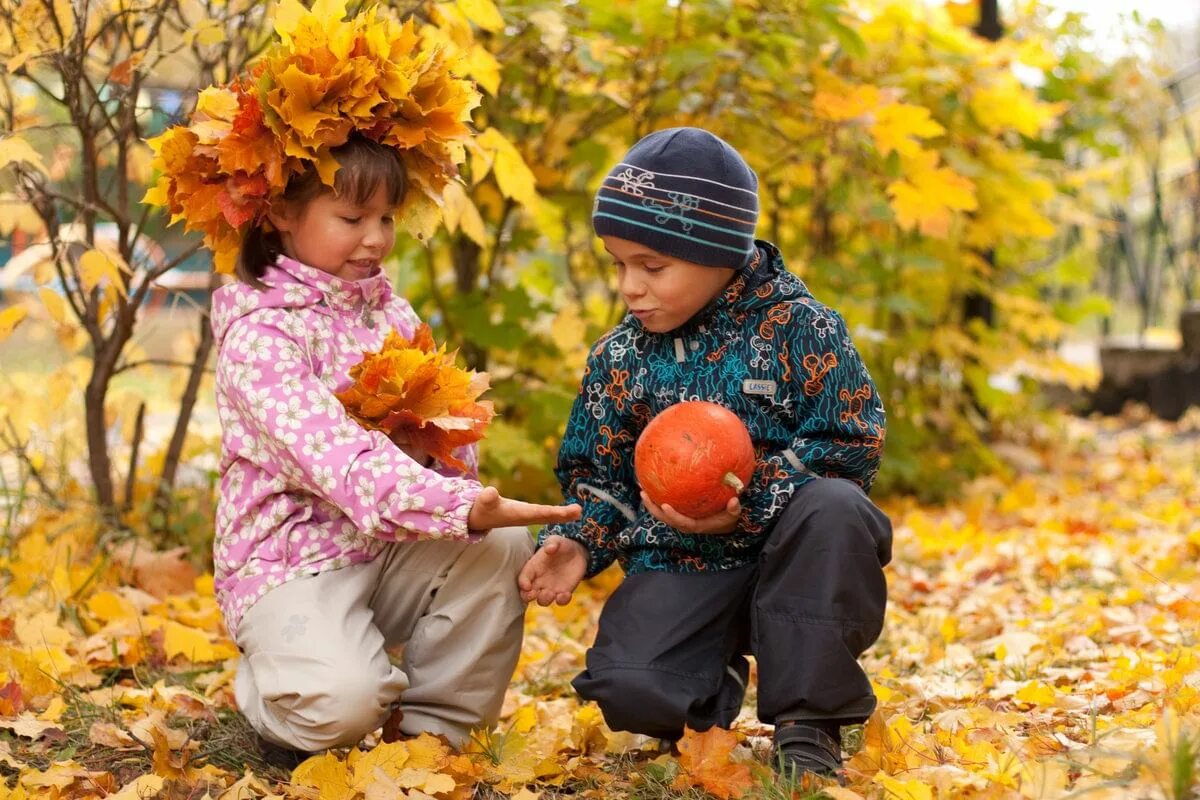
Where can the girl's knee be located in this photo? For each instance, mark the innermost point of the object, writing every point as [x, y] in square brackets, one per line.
[510, 546]
[337, 716]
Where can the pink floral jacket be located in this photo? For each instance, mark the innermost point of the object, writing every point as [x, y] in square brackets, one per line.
[304, 489]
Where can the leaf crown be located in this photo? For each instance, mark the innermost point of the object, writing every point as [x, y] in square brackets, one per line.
[324, 79]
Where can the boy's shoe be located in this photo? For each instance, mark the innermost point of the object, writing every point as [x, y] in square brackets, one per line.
[801, 748]
[281, 757]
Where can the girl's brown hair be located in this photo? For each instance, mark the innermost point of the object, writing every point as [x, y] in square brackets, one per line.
[364, 166]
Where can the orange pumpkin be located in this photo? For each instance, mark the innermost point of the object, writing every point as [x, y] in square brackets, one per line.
[694, 456]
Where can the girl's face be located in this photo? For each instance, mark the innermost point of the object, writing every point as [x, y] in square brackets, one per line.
[662, 291]
[336, 235]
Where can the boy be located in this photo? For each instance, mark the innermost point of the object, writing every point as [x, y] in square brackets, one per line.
[791, 572]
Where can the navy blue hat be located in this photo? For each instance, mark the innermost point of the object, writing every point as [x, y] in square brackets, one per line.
[685, 193]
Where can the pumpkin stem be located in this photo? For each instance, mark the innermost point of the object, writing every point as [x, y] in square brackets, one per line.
[733, 482]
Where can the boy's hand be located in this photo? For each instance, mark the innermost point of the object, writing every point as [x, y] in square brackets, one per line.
[491, 510]
[552, 573]
[724, 521]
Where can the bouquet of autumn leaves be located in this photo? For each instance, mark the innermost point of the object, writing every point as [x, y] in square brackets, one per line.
[413, 392]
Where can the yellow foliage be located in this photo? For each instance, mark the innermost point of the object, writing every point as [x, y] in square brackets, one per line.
[14, 149]
[897, 127]
[928, 194]
[514, 177]
[10, 318]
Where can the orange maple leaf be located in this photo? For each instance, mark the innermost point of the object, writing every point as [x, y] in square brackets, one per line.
[705, 759]
[411, 390]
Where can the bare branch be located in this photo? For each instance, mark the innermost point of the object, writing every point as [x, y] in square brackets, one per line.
[20, 449]
[155, 362]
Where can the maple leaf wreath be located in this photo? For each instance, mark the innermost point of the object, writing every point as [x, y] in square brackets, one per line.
[324, 79]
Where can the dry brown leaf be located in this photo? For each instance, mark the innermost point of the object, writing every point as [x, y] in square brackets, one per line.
[28, 726]
[162, 573]
[107, 734]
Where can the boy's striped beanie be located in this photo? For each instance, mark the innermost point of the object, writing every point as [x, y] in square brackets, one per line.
[685, 193]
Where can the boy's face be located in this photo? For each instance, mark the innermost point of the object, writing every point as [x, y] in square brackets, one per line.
[663, 291]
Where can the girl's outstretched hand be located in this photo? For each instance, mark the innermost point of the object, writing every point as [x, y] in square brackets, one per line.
[722, 522]
[491, 510]
[552, 573]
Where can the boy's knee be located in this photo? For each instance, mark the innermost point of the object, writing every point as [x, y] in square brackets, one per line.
[841, 510]
[834, 494]
[640, 700]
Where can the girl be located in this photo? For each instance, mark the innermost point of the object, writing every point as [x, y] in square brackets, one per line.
[333, 544]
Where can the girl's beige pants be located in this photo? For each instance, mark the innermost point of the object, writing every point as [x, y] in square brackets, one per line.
[315, 671]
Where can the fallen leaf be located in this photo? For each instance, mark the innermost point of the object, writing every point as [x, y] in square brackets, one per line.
[705, 759]
[161, 573]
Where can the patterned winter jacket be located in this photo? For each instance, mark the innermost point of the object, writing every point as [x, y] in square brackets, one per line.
[304, 489]
[765, 349]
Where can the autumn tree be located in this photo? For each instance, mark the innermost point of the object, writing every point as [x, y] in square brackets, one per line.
[895, 150]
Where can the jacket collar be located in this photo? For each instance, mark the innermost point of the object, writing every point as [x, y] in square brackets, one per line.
[374, 290]
[761, 268]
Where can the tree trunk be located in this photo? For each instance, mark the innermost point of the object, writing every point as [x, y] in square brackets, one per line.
[99, 462]
[467, 268]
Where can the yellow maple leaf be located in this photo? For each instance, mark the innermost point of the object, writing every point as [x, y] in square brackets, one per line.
[927, 195]
[513, 175]
[108, 606]
[904, 790]
[427, 752]
[963, 12]
[193, 644]
[483, 13]
[897, 126]
[1005, 104]
[98, 267]
[387, 759]
[1036, 693]
[460, 211]
[57, 776]
[41, 629]
[10, 318]
[27, 725]
[327, 773]
[16, 215]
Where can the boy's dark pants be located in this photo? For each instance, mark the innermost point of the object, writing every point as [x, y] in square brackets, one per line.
[670, 647]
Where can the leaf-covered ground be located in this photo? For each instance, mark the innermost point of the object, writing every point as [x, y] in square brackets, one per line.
[1041, 642]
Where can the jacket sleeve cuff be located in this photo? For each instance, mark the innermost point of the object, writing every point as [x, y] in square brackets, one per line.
[439, 511]
[598, 558]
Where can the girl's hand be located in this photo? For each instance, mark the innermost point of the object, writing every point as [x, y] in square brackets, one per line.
[417, 454]
[552, 573]
[493, 511]
[724, 521]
